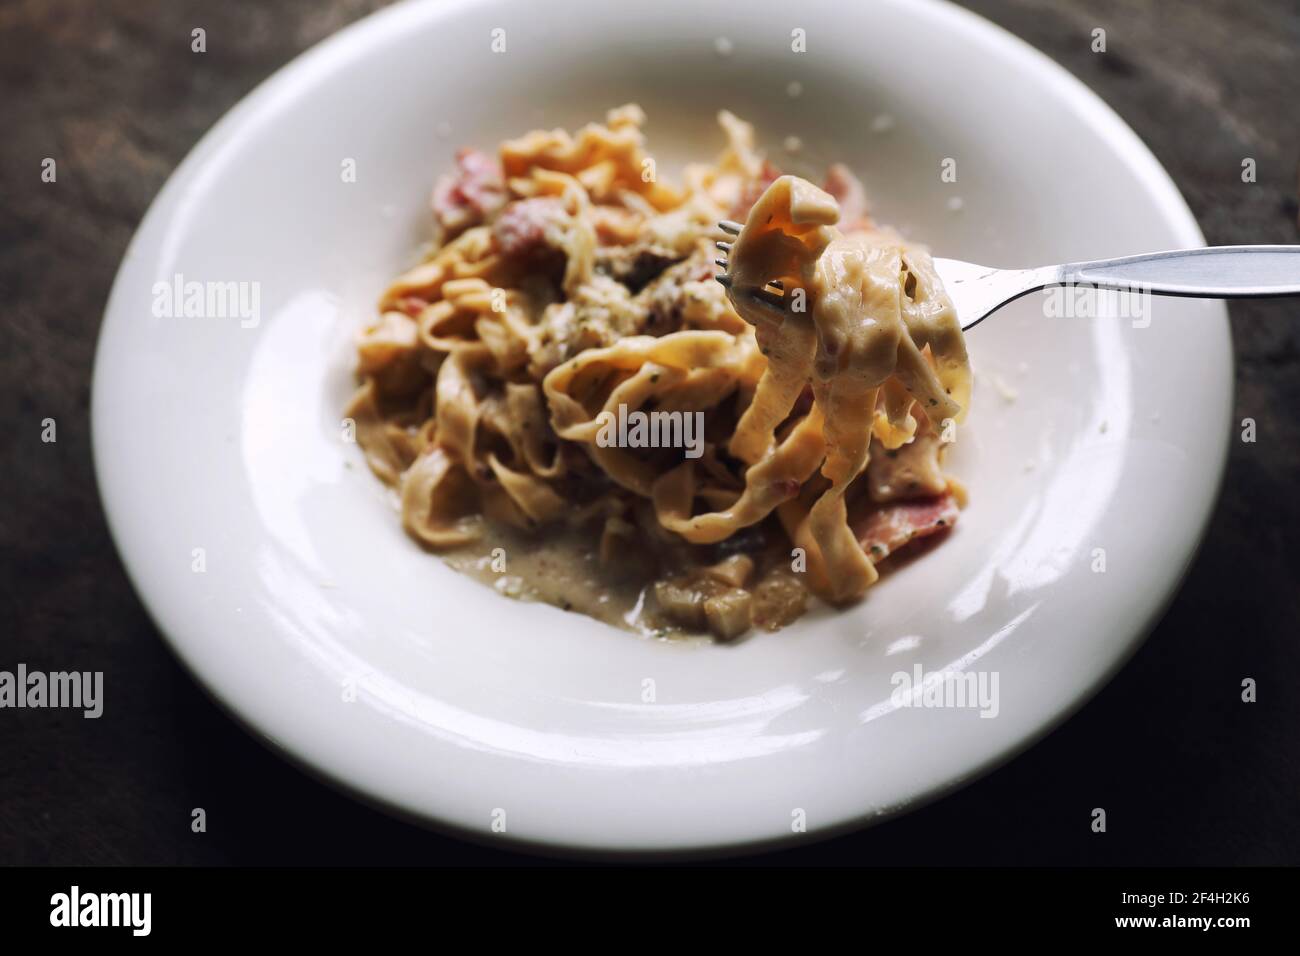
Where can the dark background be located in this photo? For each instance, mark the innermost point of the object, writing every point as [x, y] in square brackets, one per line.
[1187, 772]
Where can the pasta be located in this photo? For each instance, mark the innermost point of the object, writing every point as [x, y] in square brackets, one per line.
[569, 405]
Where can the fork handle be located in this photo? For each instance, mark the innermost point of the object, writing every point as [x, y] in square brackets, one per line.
[1217, 272]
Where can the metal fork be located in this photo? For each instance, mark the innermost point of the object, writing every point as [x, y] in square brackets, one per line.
[1216, 272]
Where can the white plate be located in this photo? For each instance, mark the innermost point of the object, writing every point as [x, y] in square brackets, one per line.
[472, 710]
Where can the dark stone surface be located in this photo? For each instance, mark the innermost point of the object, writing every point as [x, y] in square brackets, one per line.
[109, 88]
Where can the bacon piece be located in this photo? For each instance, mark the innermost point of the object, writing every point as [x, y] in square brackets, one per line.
[753, 189]
[885, 529]
[848, 192]
[520, 231]
[411, 305]
[471, 194]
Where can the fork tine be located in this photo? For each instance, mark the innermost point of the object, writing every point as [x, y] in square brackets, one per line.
[720, 262]
[730, 227]
[724, 246]
[771, 305]
[774, 304]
